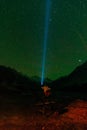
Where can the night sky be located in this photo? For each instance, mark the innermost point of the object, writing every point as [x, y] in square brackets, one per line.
[22, 35]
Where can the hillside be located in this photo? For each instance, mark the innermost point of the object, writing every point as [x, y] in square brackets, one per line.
[76, 79]
[16, 86]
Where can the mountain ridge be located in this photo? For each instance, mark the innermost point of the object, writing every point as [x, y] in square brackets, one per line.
[76, 78]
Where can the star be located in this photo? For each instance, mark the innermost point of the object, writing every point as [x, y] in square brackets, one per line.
[79, 60]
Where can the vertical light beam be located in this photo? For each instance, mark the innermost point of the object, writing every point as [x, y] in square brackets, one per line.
[46, 29]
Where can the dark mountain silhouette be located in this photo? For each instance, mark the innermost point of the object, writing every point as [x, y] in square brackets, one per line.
[10, 76]
[38, 80]
[79, 75]
[47, 80]
[15, 84]
[75, 80]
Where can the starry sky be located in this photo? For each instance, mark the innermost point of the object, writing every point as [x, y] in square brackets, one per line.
[22, 34]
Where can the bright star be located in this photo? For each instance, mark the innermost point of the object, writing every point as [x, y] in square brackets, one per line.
[79, 60]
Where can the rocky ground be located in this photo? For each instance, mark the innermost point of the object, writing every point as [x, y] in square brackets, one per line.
[69, 117]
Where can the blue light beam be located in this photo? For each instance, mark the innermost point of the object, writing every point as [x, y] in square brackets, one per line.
[48, 5]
